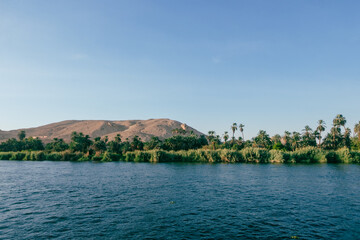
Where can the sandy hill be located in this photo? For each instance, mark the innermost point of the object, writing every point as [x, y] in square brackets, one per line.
[145, 129]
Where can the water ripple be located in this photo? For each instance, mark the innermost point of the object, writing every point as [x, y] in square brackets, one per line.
[61, 200]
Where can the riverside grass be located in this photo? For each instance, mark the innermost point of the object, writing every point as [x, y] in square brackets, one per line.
[246, 155]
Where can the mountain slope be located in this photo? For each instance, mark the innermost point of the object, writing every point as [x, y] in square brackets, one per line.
[145, 129]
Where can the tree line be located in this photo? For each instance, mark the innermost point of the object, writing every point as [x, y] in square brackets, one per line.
[84, 144]
[338, 137]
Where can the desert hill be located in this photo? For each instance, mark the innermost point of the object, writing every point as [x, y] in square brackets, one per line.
[145, 129]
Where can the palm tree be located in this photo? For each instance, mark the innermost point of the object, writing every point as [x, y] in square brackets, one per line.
[234, 128]
[21, 135]
[340, 121]
[307, 136]
[335, 132]
[241, 129]
[215, 140]
[307, 131]
[211, 136]
[276, 139]
[226, 136]
[286, 138]
[117, 138]
[320, 128]
[347, 140]
[357, 129]
[263, 139]
[295, 140]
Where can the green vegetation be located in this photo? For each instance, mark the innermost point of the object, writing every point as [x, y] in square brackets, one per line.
[307, 147]
[246, 155]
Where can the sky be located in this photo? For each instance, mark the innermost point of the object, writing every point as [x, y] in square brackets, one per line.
[272, 65]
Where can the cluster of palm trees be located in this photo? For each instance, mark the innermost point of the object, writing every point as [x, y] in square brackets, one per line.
[235, 127]
[338, 136]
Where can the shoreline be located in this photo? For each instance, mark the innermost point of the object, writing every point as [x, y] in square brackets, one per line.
[307, 155]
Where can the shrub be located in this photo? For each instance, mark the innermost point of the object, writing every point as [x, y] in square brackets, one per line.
[277, 156]
[257, 155]
[308, 155]
[142, 156]
[17, 156]
[231, 156]
[332, 157]
[355, 155]
[344, 155]
[110, 157]
[5, 155]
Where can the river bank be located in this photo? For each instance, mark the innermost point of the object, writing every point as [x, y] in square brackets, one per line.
[247, 155]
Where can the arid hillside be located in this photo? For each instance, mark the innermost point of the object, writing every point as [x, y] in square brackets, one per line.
[145, 129]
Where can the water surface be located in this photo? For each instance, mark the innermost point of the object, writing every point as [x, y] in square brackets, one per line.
[64, 200]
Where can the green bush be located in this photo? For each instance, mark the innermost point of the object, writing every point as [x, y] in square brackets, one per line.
[55, 156]
[231, 156]
[278, 156]
[156, 155]
[129, 156]
[17, 156]
[256, 155]
[344, 155]
[110, 157]
[249, 154]
[332, 157]
[5, 155]
[355, 156]
[308, 155]
[142, 156]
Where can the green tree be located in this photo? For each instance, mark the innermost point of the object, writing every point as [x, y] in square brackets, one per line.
[21, 135]
[295, 140]
[340, 121]
[276, 139]
[57, 145]
[286, 140]
[308, 138]
[32, 144]
[336, 137]
[320, 128]
[154, 143]
[80, 142]
[263, 140]
[210, 136]
[99, 145]
[177, 143]
[226, 136]
[215, 141]
[125, 146]
[347, 138]
[233, 129]
[114, 146]
[357, 130]
[241, 129]
[136, 144]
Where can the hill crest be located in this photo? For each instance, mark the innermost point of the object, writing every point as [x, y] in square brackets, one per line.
[145, 129]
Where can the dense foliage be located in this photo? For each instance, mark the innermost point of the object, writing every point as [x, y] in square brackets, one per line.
[246, 155]
[307, 146]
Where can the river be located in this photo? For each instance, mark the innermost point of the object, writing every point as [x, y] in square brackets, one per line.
[118, 200]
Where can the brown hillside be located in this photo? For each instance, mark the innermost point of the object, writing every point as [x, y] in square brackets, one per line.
[145, 129]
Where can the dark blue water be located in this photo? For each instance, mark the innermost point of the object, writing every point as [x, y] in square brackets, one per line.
[63, 200]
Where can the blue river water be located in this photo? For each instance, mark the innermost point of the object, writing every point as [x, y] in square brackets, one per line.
[65, 200]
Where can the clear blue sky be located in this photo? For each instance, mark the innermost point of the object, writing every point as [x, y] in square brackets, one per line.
[271, 65]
